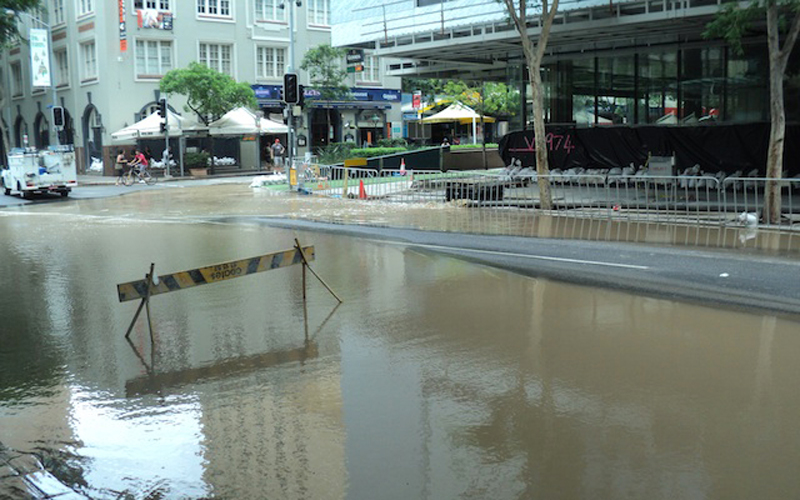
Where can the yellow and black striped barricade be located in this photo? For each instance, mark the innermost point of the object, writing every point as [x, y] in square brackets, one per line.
[145, 288]
[212, 274]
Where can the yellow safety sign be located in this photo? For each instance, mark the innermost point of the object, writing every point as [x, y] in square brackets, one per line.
[211, 274]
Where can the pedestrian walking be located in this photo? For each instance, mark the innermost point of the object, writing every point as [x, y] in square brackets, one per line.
[120, 166]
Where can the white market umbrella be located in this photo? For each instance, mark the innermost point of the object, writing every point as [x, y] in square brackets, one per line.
[150, 127]
[460, 113]
[242, 121]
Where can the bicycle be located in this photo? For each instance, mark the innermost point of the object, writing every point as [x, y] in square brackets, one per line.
[141, 174]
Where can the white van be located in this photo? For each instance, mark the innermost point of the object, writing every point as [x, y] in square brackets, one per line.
[30, 171]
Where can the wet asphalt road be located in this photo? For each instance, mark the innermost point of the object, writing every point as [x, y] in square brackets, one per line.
[748, 280]
[728, 278]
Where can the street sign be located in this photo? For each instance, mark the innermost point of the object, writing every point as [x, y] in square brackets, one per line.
[416, 100]
[354, 56]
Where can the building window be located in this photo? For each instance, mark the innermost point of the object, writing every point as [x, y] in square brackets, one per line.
[152, 4]
[270, 62]
[270, 10]
[85, 7]
[372, 70]
[319, 12]
[88, 62]
[16, 79]
[62, 68]
[153, 58]
[216, 56]
[218, 8]
[58, 12]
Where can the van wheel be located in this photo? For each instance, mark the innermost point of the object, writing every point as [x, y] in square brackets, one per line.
[6, 190]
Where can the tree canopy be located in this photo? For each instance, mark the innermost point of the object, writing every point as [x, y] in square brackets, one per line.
[8, 24]
[490, 98]
[209, 93]
[325, 72]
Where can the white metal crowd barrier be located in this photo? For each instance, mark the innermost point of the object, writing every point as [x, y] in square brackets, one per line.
[674, 199]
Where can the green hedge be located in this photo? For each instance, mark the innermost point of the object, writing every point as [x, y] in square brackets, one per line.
[340, 151]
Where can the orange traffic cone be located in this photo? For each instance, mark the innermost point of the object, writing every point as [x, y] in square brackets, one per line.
[362, 193]
[402, 166]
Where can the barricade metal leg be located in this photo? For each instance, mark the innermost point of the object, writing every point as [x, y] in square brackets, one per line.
[144, 303]
[305, 265]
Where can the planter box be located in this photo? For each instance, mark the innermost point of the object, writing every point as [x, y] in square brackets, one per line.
[198, 172]
[471, 159]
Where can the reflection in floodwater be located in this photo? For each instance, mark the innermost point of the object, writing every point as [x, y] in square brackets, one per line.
[435, 378]
[155, 382]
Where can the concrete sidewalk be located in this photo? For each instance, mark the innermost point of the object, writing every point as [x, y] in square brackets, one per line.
[110, 180]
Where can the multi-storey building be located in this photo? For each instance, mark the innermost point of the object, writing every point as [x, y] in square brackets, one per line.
[108, 58]
[623, 63]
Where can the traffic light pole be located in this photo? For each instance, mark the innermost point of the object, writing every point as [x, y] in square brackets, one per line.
[163, 112]
[165, 156]
[290, 107]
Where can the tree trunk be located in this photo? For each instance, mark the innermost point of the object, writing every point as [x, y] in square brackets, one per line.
[533, 58]
[540, 139]
[777, 133]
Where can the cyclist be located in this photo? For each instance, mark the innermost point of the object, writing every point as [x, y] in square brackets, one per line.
[140, 162]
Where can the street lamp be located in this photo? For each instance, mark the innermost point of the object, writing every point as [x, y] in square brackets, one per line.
[50, 55]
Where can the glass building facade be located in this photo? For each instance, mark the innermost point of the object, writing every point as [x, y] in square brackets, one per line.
[670, 86]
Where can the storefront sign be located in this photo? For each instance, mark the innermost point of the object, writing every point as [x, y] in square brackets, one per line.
[273, 93]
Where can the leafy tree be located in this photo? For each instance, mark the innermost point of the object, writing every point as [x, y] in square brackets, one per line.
[324, 66]
[783, 21]
[518, 11]
[209, 93]
[490, 98]
[8, 24]
[429, 87]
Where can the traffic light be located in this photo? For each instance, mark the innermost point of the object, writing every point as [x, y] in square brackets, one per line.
[162, 108]
[290, 89]
[58, 116]
[301, 97]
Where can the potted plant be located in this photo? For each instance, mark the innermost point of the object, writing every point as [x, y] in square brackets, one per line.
[197, 163]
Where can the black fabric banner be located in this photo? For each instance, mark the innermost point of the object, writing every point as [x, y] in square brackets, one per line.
[714, 148]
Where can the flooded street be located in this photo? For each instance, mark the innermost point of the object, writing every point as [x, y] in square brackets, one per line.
[436, 378]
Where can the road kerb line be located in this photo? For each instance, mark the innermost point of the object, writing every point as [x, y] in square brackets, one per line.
[522, 255]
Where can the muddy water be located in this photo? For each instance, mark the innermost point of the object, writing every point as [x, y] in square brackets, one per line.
[435, 378]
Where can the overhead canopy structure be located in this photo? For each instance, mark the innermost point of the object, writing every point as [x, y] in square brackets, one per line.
[150, 127]
[242, 121]
[457, 112]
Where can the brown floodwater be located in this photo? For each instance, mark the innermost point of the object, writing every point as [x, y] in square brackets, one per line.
[435, 378]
